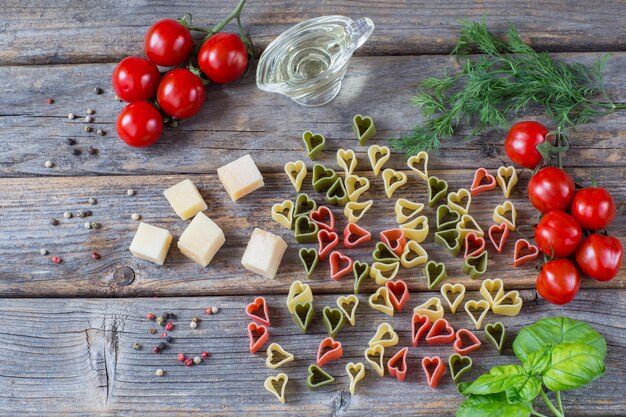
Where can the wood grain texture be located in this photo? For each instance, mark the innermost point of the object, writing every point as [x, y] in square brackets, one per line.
[106, 31]
[27, 205]
[75, 357]
[240, 118]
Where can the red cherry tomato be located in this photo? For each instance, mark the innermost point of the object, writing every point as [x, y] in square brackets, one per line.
[558, 281]
[558, 234]
[181, 93]
[139, 124]
[600, 257]
[593, 208]
[551, 189]
[135, 79]
[167, 43]
[223, 58]
[521, 143]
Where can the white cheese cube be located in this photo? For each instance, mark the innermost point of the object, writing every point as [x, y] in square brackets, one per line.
[185, 199]
[201, 240]
[151, 243]
[264, 252]
[240, 177]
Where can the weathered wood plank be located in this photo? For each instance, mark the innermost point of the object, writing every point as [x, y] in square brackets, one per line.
[27, 205]
[241, 117]
[75, 357]
[105, 31]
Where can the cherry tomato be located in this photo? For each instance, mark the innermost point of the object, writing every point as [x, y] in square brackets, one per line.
[558, 281]
[167, 43]
[135, 79]
[600, 257]
[521, 143]
[139, 124]
[558, 234]
[551, 189]
[181, 93]
[593, 208]
[223, 58]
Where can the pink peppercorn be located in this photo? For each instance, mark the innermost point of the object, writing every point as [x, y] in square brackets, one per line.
[56, 259]
[188, 362]
[50, 100]
[169, 326]
[95, 256]
[205, 355]
[208, 310]
[156, 349]
[180, 357]
[163, 335]
[150, 316]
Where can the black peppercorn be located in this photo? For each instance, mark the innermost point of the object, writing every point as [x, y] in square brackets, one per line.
[169, 339]
[98, 90]
[70, 141]
[75, 151]
[162, 345]
[165, 315]
[54, 222]
[92, 151]
[156, 349]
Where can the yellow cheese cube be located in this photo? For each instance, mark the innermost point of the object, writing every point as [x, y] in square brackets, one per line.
[201, 240]
[264, 252]
[151, 243]
[240, 177]
[185, 199]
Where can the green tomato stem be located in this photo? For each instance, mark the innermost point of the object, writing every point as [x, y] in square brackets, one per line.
[549, 404]
[235, 14]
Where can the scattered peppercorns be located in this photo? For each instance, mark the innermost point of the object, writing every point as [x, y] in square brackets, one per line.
[88, 119]
[87, 225]
[80, 213]
[165, 315]
[160, 320]
[50, 101]
[100, 132]
[152, 330]
[135, 216]
[205, 355]
[195, 319]
[98, 90]
[48, 164]
[70, 141]
[88, 129]
[92, 200]
[169, 326]
[197, 360]
[215, 310]
[76, 151]
[188, 362]
[169, 339]
[156, 349]
[54, 222]
[180, 357]
[163, 335]
[150, 316]
[193, 324]
[172, 316]
[43, 251]
[208, 310]
[71, 116]
[136, 346]
[90, 111]
[95, 225]
[159, 372]
[130, 191]
[56, 259]
[92, 151]
[95, 256]
[88, 213]
[67, 215]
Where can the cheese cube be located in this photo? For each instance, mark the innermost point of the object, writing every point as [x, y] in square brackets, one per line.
[151, 243]
[240, 177]
[264, 252]
[185, 199]
[201, 240]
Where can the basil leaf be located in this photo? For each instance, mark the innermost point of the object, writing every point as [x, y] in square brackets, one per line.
[573, 365]
[554, 331]
[537, 362]
[499, 379]
[493, 405]
[524, 389]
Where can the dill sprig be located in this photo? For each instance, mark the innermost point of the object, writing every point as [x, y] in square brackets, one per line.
[495, 86]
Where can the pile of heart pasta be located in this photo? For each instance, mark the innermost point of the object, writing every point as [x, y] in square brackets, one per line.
[399, 247]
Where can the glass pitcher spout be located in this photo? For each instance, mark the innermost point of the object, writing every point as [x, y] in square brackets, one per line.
[308, 61]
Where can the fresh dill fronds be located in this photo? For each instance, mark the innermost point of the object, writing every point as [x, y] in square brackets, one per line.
[495, 86]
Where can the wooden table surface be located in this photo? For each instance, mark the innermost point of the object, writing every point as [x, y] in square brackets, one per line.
[67, 330]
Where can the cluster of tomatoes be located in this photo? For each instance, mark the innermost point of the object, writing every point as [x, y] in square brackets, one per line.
[178, 93]
[572, 227]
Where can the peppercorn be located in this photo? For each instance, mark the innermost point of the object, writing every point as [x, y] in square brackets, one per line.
[165, 315]
[130, 191]
[152, 330]
[188, 362]
[98, 90]
[215, 310]
[56, 259]
[135, 216]
[150, 316]
[100, 132]
[197, 360]
[90, 111]
[50, 100]
[172, 316]
[92, 200]
[169, 326]
[159, 372]
[43, 251]
[205, 354]
[75, 151]
[70, 141]
[92, 151]
[95, 256]
[71, 116]
[88, 129]
[88, 213]
[80, 213]
[169, 339]
[193, 324]
[67, 215]
[136, 346]
[160, 320]
[208, 310]
[180, 357]
[87, 225]
[196, 319]
[88, 119]
[48, 164]
[156, 349]
[163, 335]
[95, 225]
[162, 345]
